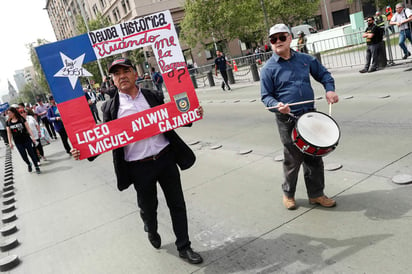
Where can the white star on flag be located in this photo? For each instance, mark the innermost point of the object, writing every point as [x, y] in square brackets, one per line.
[72, 69]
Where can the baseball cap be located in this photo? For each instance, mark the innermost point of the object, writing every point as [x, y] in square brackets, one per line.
[278, 28]
[51, 97]
[121, 62]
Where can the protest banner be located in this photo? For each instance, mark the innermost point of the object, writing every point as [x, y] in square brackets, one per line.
[62, 64]
[4, 107]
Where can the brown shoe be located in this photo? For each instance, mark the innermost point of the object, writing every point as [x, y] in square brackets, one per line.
[323, 201]
[289, 202]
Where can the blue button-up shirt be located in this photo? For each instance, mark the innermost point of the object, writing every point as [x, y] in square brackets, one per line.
[288, 81]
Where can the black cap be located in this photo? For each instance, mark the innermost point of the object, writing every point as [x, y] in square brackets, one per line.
[51, 97]
[121, 62]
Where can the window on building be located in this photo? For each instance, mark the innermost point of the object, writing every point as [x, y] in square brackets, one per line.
[340, 17]
[116, 14]
[315, 22]
[210, 51]
[103, 3]
[95, 9]
[126, 6]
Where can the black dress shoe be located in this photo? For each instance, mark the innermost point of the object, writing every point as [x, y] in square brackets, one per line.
[191, 256]
[155, 239]
[363, 70]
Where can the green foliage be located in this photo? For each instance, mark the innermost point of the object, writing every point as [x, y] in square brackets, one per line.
[226, 20]
[29, 94]
[39, 77]
[290, 12]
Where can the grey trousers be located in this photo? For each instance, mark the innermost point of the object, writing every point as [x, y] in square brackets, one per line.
[313, 169]
[372, 52]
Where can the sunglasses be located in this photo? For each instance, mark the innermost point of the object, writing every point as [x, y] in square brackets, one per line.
[282, 38]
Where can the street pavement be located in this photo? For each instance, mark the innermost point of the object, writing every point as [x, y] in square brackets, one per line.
[72, 219]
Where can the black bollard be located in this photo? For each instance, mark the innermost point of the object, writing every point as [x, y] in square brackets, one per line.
[255, 73]
[382, 61]
[210, 78]
[193, 77]
[230, 76]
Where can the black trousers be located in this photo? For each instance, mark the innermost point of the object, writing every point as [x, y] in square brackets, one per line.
[165, 172]
[95, 113]
[49, 126]
[63, 135]
[225, 81]
[25, 148]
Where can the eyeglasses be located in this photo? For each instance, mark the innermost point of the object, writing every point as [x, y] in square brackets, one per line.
[282, 38]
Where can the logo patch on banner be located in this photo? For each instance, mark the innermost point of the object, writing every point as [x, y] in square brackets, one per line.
[182, 102]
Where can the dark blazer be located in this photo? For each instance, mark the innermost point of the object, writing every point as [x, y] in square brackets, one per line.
[185, 157]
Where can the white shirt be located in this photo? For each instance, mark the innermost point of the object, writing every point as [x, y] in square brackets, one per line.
[32, 124]
[146, 147]
[92, 97]
[400, 17]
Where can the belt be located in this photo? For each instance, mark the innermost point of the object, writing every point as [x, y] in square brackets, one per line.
[153, 157]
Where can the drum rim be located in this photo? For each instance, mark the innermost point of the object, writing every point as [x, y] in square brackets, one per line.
[315, 111]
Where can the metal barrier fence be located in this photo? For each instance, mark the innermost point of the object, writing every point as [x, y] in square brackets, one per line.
[337, 52]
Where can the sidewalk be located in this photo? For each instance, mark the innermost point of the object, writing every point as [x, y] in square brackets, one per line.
[72, 219]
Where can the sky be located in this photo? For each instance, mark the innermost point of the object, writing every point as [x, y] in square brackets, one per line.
[22, 22]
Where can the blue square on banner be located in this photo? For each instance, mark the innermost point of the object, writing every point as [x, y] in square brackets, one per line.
[62, 63]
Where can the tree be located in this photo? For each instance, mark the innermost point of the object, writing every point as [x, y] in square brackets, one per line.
[226, 20]
[29, 93]
[92, 67]
[39, 77]
[291, 13]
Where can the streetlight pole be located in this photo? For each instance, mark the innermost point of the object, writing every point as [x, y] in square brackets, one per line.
[326, 13]
[88, 30]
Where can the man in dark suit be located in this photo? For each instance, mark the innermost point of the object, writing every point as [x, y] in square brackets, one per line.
[151, 160]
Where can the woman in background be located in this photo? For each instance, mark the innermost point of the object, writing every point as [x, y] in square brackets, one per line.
[35, 128]
[19, 131]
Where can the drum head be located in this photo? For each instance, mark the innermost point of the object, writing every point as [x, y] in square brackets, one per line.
[318, 129]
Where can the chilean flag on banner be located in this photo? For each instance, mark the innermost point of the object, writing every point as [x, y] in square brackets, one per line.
[63, 61]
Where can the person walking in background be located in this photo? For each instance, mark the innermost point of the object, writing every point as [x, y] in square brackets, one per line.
[19, 131]
[401, 18]
[158, 82]
[53, 115]
[35, 129]
[220, 63]
[389, 15]
[3, 129]
[150, 161]
[373, 35]
[285, 79]
[379, 19]
[92, 100]
[108, 87]
[41, 111]
[302, 40]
